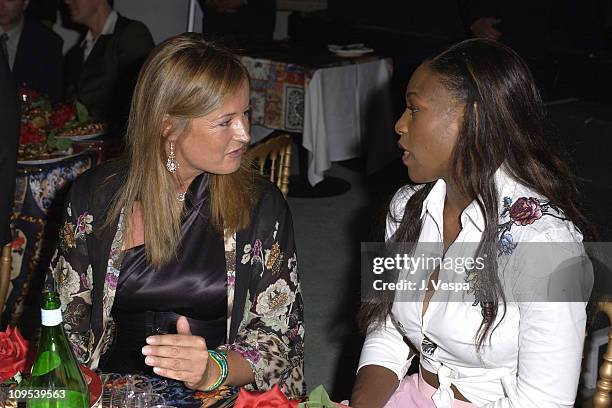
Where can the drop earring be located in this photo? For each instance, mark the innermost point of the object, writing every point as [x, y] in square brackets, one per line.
[171, 163]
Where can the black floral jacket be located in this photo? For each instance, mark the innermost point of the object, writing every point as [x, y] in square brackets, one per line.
[265, 309]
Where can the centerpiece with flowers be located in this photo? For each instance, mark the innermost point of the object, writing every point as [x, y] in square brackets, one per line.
[47, 131]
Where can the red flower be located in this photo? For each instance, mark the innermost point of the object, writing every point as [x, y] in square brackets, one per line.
[16, 355]
[525, 211]
[29, 134]
[63, 114]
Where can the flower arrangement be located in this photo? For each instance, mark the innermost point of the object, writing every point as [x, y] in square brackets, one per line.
[36, 139]
[46, 130]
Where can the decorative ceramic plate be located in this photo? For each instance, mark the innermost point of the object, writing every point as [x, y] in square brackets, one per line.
[47, 160]
[94, 384]
[77, 138]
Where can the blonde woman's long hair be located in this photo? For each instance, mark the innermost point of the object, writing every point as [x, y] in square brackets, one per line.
[185, 77]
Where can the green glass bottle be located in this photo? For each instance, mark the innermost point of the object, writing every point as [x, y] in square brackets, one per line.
[56, 368]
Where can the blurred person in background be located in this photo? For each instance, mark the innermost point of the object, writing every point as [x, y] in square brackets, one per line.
[9, 137]
[101, 69]
[33, 51]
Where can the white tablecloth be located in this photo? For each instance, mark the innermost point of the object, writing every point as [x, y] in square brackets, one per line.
[338, 101]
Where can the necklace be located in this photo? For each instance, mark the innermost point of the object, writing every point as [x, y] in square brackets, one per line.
[181, 196]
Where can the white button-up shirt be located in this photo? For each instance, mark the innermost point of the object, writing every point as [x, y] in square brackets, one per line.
[534, 356]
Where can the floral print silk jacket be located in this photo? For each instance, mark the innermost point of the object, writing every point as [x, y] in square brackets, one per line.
[265, 309]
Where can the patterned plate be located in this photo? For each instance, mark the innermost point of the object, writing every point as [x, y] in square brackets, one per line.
[94, 384]
[77, 138]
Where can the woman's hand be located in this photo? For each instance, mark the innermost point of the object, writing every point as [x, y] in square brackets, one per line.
[182, 357]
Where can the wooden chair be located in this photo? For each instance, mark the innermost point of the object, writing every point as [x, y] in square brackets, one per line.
[602, 398]
[5, 274]
[273, 159]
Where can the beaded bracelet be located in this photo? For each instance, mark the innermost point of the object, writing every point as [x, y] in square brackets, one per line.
[220, 358]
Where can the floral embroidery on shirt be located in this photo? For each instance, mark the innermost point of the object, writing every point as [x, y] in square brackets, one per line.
[67, 240]
[83, 226]
[473, 278]
[506, 245]
[69, 233]
[271, 335]
[251, 354]
[68, 280]
[275, 300]
[292, 265]
[524, 211]
[252, 253]
[231, 278]
[274, 259]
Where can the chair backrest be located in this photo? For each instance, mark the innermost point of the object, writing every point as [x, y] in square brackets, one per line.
[5, 274]
[602, 398]
[273, 160]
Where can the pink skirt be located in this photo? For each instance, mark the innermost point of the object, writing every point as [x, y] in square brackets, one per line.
[415, 392]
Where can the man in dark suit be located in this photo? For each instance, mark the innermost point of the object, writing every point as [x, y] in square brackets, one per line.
[101, 70]
[240, 20]
[34, 52]
[9, 136]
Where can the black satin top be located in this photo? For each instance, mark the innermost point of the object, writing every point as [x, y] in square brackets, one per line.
[149, 300]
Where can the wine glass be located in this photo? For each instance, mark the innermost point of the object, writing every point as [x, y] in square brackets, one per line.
[143, 400]
[124, 388]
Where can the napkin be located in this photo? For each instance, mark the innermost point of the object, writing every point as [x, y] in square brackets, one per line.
[272, 399]
[275, 398]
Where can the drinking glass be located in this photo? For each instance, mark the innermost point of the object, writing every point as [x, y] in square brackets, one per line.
[144, 400]
[124, 388]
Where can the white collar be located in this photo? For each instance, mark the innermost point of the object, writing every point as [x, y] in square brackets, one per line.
[434, 202]
[107, 29]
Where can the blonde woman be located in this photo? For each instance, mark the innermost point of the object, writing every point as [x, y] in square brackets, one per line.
[182, 237]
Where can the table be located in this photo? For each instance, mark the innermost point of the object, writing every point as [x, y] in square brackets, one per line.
[336, 103]
[39, 193]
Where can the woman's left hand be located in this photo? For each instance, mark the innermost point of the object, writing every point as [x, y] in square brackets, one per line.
[181, 356]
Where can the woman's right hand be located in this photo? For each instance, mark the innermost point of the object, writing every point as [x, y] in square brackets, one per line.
[373, 387]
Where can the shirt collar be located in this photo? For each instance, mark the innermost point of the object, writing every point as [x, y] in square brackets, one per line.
[434, 202]
[107, 29]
